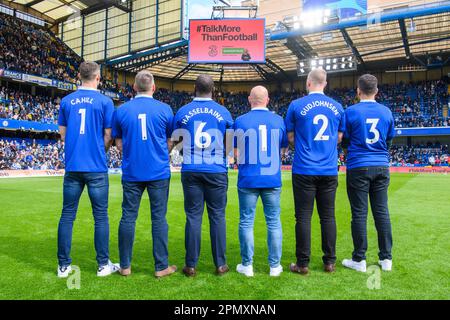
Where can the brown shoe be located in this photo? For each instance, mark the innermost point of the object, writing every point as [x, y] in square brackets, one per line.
[296, 269]
[166, 272]
[330, 268]
[222, 270]
[125, 272]
[189, 272]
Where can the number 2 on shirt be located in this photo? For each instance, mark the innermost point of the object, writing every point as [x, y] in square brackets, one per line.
[320, 135]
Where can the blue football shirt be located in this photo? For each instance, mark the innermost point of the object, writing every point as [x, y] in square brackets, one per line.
[260, 136]
[315, 120]
[144, 125]
[203, 124]
[369, 126]
[86, 113]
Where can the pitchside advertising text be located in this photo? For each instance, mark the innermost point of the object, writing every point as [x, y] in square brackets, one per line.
[227, 41]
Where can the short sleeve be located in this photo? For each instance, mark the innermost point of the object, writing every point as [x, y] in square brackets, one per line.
[62, 121]
[342, 127]
[284, 137]
[391, 132]
[229, 120]
[108, 111]
[170, 120]
[176, 121]
[290, 118]
[116, 129]
[347, 130]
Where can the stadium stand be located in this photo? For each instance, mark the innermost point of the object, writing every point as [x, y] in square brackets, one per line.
[29, 48]
[31, 154]
[413, 105]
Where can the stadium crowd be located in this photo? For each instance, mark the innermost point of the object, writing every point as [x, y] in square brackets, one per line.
[31, 154]
[28, 48]
[19, 105]
[413, 105]
[37, 155]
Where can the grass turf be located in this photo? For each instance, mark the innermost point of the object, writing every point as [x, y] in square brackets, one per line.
[30, 211]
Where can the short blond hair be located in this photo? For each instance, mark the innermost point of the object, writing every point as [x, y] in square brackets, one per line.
[317, 76]
[144, 81]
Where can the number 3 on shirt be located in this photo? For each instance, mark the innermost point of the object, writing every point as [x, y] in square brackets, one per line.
[373, 129]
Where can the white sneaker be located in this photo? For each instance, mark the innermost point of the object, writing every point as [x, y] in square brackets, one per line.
[108, 269]
[63, 272]
[358, 266]
[245, 270]
[275, 272]
[386, 264]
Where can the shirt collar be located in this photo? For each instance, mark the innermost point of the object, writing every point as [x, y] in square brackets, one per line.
[86, 88]
[316, 92]
[202, 99]
[143, 96]
[260, 108]
[367, 101]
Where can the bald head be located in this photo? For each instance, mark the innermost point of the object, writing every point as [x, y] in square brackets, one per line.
[317, 80]
[259, 97]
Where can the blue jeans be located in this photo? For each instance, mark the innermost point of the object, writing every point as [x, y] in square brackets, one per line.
[247, 205]
[98, 185]
[158, 192]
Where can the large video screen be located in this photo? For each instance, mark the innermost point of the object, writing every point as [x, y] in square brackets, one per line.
[343, 8]
[227, 41]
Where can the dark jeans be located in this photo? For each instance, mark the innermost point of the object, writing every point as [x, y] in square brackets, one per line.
[372, 182]
[306, 190]
[200, 188]
[158, 193]
[98, 185]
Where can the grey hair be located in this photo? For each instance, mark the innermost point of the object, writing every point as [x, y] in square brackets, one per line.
[144, 81]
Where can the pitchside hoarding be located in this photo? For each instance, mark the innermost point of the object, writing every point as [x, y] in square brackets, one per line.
[227, 41]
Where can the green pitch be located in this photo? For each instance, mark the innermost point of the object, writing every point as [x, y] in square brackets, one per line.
[30, 211]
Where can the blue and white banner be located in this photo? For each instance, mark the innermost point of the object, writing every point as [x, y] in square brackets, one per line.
[37, 80]
[41, 81]
[12, 75]
[27, 125]
[411, 132]
[110, 94]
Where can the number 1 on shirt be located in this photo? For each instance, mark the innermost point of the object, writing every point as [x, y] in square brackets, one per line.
[143, 118]
[83, 120]
[263, 135]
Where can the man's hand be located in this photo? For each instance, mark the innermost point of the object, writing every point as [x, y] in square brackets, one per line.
[119, 145]
[107, 138]
[62, 133]
[291, 138]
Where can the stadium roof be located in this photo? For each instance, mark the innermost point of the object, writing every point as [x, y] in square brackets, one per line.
[54, 11]
[402, 36]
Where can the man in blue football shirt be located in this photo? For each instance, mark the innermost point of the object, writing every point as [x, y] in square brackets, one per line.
[85, 118]
[202, 126]
[369, 131]
[260, 139]
[142, 129]
[315, 124]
